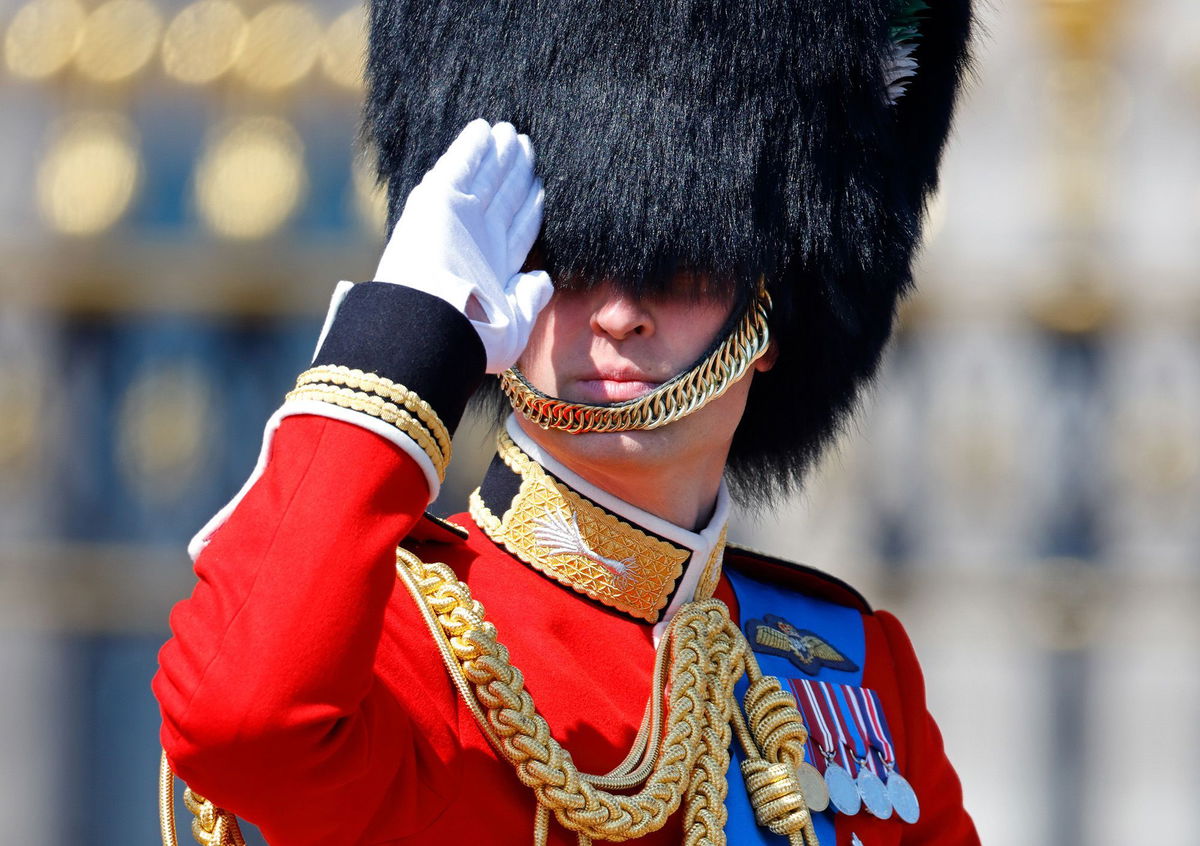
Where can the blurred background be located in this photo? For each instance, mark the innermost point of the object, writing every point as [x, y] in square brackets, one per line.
[180, 188]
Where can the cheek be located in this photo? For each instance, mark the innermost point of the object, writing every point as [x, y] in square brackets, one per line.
[530, 360]
[696, 328]
[537, 361]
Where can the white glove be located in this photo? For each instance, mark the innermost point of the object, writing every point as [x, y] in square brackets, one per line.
[465, 232]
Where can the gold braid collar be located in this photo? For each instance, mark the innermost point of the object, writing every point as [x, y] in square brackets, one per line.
[562, 534]
[688, 392]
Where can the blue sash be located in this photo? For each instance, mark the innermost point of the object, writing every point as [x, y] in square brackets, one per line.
[837, 625]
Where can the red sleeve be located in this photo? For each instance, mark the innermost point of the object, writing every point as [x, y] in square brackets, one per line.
[920, 754]
[271, 707]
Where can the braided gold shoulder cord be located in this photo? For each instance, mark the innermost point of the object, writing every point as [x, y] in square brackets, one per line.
[701, 657]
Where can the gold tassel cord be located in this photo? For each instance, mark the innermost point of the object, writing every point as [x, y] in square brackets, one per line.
[670, 401]
[166, 802]
[522, 736]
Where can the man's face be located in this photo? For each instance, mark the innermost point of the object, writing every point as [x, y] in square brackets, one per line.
[603, 346]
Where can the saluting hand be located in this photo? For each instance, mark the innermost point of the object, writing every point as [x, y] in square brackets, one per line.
[465, 231]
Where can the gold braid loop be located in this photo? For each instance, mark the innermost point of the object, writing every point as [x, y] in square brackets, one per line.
[688, 392]
[394, 392]
[382, 409]
[775, 721]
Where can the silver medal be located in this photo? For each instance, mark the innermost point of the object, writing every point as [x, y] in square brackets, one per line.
[874, 794]
[903, 797]
[843, 792]
[812, 785]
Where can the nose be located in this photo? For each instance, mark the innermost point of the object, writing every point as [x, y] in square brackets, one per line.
[620, 316]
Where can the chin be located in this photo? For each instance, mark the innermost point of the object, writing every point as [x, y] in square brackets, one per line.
[614, 444]
[620, 451]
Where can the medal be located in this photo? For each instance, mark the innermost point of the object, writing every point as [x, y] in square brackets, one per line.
[874, 794]
[843, 792]
[900, 792]
[903, 797]
[813, 787]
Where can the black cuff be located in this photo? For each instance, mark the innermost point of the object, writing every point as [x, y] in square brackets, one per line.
[412, 338]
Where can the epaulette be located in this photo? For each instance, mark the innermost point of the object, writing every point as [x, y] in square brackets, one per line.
[798, 577]
[433, 529]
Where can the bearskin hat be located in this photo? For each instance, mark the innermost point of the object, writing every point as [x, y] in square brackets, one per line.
[791, 140]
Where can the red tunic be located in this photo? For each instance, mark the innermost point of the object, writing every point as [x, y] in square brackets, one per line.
[302, 691]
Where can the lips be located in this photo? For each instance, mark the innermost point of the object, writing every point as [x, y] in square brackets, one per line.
[614, 385]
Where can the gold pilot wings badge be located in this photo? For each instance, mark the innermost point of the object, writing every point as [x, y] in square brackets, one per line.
[808, 651]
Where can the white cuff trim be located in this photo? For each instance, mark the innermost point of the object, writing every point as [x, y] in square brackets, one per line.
[335, 302]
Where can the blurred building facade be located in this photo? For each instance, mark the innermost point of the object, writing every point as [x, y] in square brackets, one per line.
[180, 187]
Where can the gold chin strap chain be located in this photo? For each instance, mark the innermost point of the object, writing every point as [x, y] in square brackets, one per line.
[683, 758]
[679, 397]
[211, 826]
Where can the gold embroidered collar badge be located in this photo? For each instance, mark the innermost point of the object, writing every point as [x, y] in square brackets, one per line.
[564, 535]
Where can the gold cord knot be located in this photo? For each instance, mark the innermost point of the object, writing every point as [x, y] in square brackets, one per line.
[775, 794]
[777, 730]
[211, 826]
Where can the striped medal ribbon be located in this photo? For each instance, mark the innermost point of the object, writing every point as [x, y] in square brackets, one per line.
[874, 794]
[900, 792]
[843, 792]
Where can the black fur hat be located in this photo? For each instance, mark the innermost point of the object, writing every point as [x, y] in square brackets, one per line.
[742, 139]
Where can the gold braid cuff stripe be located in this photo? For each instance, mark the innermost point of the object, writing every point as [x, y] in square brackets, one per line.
[682, 759]
[670, 401]
[378, 407]
[386, 388]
